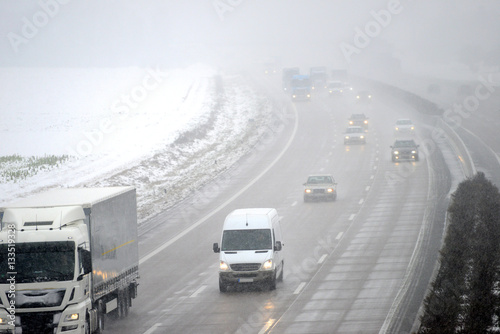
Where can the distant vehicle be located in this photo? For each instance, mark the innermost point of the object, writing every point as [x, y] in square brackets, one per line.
[335, 88]
[339, 75]
[287, 75]
[319, 77]
[364, 96]
[404, 149]
[250, 248]
[358, 120]
[355, 135]
[320, 186]
[404, 126]
[301, 87]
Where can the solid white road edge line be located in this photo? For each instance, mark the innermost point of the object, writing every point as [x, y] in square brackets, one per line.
[223, 205]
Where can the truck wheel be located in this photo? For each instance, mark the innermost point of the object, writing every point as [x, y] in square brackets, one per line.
[101, 317]
[126, 304]
[87, 325]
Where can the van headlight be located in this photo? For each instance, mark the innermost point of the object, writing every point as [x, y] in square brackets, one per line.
[268, 265]
[223, 266]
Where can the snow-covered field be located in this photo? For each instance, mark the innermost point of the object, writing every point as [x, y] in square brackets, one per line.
[165, 132]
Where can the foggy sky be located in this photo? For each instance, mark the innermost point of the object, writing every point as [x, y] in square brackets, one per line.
[66, 33]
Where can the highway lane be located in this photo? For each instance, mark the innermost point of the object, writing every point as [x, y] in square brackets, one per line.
[346, 261]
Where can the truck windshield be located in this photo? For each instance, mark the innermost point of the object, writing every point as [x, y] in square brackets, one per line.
[38, 261]
[235, 240]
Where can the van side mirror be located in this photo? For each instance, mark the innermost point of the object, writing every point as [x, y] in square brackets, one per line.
[277, 246]
[216, 248]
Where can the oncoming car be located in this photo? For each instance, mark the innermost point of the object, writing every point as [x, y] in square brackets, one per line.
[404, 125]
[320, 186]
[404, 149]
[354, 134]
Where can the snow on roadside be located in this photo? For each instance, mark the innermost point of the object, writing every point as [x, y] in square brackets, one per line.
[164, 132]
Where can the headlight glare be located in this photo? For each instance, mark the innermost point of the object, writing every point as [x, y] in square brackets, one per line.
[223, 266]
[72, 317]
[268, 265]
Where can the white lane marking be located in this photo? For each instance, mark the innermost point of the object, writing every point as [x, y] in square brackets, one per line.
[294, 203]
[371, 177]
[339, 235]
[351, 217]
[322, 258]
[367, 188]
[223, 205]
[374, 167]
[299, 288]
[195, 294]
[152, 329]
[361, 201]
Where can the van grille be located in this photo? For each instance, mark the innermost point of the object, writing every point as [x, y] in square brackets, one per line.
[245, 266]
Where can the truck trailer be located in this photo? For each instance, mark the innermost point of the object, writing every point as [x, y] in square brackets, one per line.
[69, 258]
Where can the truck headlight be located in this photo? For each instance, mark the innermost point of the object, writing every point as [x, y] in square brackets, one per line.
[395, 152]
[72, 317]
[413, 152]
[223, 266]
[268, 265]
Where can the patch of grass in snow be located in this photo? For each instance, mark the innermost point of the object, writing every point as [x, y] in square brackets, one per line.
[14, 168]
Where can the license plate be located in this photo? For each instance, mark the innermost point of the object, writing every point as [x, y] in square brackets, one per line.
[245, 280]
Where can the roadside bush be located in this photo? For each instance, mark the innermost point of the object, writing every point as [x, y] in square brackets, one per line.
[464, 297]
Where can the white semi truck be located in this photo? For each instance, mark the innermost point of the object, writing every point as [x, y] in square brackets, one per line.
[68, 258]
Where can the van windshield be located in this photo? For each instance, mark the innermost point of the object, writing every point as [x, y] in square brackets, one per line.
[235, 240]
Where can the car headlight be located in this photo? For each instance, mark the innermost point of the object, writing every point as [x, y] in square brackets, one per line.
[351, 122]
[362, 137]
[397, 128]
[330, 190]
[294, 96]
[308, 191]
[395, 152]
[413, 152]
[366, 122]
[412, 128]
[308, 95]
[346, 137]
[223, 266]
[268, 265]
[72, 317]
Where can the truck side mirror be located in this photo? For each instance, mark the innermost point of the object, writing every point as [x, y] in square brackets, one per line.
[216, 248]
[277, 246]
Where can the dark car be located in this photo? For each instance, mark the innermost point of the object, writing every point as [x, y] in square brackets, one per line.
[364, 96]
[320, 186]
[404, 149]
[358, 120]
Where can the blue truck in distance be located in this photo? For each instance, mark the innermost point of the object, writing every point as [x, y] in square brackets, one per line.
[287, 75]
[301, 87]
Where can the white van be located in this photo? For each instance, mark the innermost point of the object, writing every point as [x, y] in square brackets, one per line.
[251, 248]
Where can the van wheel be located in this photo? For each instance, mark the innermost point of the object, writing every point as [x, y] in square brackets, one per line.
[222, 286]
[280, 277]
[272, 282]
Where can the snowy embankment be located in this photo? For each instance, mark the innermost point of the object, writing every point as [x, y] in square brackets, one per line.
[164, 132]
